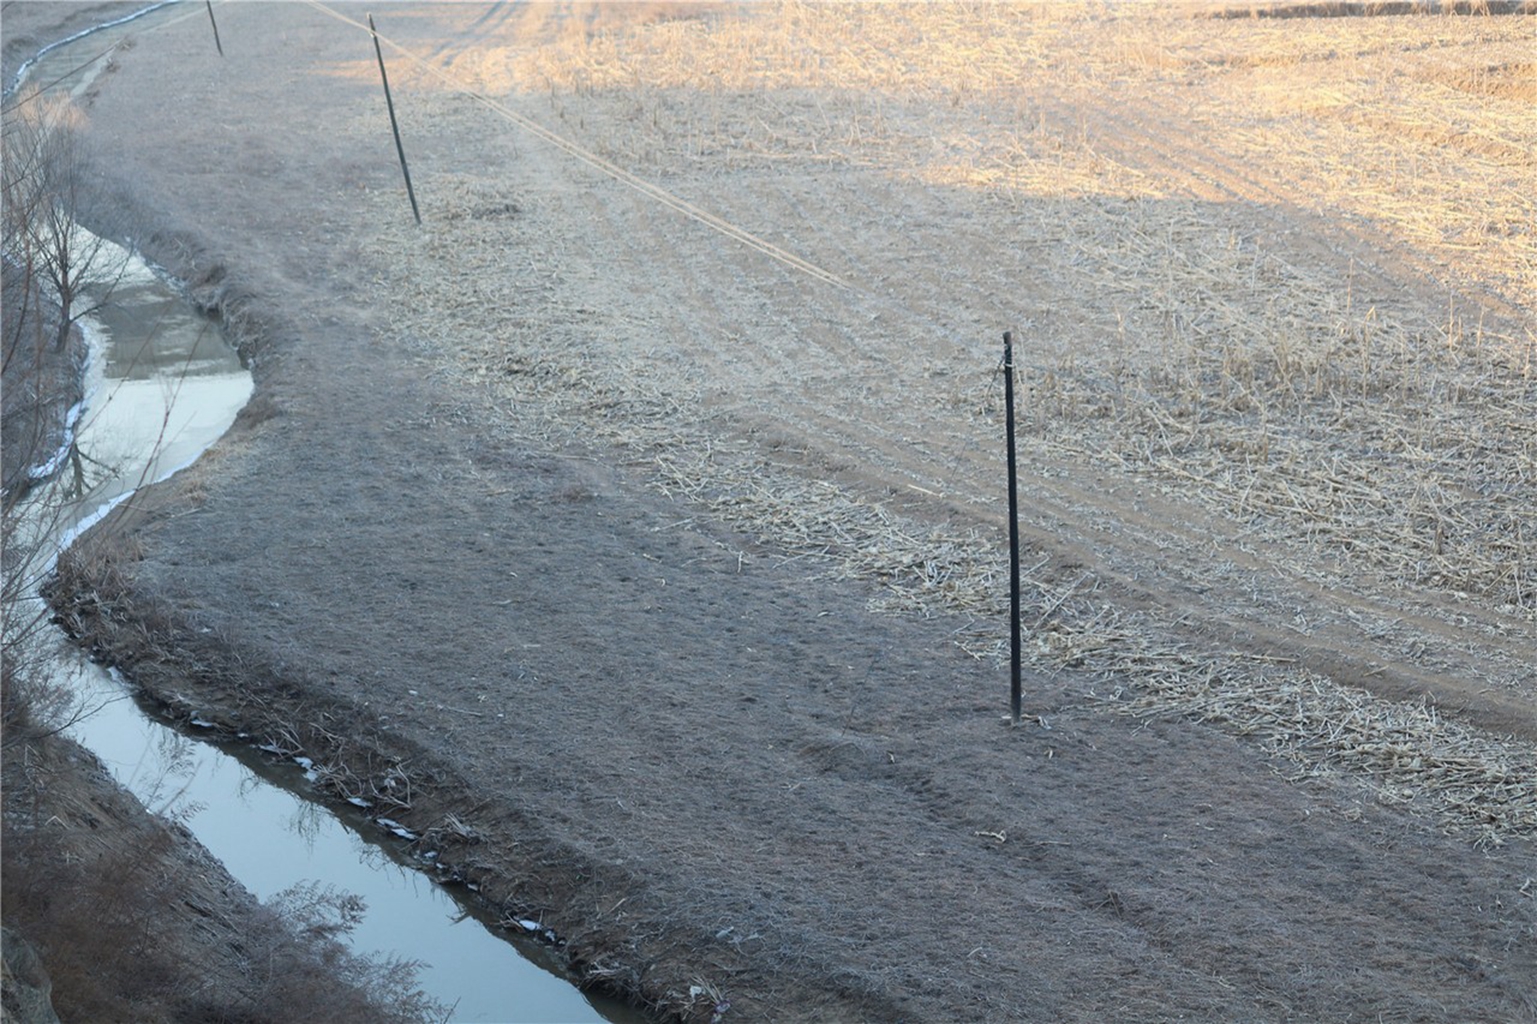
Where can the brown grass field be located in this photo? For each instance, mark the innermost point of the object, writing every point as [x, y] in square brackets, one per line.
[662, 467]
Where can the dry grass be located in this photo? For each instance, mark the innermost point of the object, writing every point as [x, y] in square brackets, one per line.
[1372, 434]
[1422, 125]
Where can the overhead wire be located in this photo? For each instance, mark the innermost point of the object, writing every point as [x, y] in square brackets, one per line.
[646, 188]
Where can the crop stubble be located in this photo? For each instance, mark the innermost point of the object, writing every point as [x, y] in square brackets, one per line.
[1338, 424]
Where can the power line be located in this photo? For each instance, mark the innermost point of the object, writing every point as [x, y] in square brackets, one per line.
[649, 189]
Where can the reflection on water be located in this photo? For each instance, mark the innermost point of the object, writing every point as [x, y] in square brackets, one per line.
[273, 840]
[176, 339]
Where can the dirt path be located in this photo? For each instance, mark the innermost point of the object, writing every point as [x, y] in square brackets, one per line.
[667, 573]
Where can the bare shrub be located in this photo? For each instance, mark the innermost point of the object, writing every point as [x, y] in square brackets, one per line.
[44, 204]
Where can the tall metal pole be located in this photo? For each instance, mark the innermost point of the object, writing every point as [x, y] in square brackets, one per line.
[215, 24]
[1008, 405]
[394, 127]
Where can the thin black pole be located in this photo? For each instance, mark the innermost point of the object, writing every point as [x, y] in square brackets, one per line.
[1008, 405]
[215, 24]
[394, 127]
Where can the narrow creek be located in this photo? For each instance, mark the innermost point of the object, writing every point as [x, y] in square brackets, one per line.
[162, 386]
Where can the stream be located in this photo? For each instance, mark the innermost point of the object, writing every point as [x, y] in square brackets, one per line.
[161, 387]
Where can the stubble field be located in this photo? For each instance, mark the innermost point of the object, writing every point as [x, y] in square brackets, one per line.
[1271, 280]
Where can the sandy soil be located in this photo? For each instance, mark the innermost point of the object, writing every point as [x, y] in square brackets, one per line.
[632, 529]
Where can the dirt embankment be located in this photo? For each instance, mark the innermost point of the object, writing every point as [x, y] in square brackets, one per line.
[655, 580]
[114, 913]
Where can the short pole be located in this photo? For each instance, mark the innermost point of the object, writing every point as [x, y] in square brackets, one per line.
[218, 45]
[400, 150]
[1008, 405]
